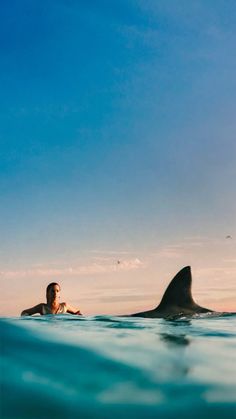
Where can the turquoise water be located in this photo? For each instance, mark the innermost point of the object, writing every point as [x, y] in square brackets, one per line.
[105, 367]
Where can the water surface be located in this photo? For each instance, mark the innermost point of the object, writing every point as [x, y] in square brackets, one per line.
[105, 367]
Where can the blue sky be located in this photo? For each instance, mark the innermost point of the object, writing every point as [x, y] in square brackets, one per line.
[117, 142]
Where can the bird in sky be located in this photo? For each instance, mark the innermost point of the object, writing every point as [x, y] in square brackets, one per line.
[228, 237]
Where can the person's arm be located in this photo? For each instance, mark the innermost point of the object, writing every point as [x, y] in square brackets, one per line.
[72, 310]
[32, 310]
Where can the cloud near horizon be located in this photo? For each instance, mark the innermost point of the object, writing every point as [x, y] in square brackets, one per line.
[101, 266]
[196, 245]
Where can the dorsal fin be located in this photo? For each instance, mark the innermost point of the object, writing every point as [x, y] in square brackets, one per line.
[178, 293]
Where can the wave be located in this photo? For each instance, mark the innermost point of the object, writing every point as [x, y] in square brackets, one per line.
[103, 367]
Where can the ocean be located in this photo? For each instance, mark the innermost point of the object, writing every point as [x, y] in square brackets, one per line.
[107, 367]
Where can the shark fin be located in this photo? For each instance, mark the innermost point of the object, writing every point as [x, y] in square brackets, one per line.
[178, 293]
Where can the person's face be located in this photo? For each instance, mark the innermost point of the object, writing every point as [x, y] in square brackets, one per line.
[54, 292]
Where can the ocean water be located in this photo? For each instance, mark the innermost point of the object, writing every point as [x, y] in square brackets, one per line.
[108, 367]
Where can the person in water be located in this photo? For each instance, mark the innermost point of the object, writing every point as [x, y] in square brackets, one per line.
[53, 305]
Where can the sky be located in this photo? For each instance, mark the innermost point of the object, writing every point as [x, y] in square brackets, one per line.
[117, 143]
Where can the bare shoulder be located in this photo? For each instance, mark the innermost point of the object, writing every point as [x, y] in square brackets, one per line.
[38, 309]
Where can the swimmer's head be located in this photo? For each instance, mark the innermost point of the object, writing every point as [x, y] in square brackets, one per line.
[53, 291]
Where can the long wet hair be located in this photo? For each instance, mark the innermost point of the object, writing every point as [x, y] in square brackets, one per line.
[52, 284]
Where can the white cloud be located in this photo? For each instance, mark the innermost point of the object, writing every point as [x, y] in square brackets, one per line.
[177, 250]
[197, 246]
[103, 266]
[112, 252]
